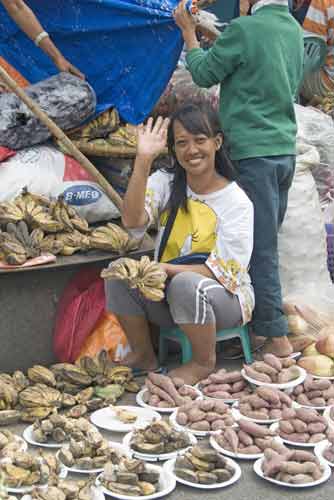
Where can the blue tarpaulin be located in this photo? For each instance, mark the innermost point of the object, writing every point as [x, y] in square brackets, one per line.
[128, 49]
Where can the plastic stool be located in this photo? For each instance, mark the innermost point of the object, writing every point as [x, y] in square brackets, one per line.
[178, 336]
[315, 51]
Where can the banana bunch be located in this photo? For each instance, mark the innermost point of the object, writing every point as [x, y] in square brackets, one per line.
[34, 209]
[17, 245]
[8, 396]
[9, 212]
[67, 216]
[50, 244]
[145, 275]
[326, 104]
[112, 238]
[73, 242]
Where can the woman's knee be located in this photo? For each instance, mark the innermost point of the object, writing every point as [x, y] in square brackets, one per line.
[184, 285]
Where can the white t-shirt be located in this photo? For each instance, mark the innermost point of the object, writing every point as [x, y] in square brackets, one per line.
[218, 223]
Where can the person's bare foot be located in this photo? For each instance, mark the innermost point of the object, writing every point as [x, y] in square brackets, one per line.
[280, 346]
[192, 372]
[144, 362]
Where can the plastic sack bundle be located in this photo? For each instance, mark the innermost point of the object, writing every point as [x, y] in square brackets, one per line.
[302, 238]
[66, 99]
[317, 129]
[47, 171]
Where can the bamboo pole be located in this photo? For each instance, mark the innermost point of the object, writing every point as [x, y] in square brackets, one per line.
[59, 134]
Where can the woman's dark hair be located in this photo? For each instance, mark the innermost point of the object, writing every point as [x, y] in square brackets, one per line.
[196, 119]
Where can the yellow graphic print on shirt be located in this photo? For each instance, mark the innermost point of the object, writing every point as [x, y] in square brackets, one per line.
[193, 231]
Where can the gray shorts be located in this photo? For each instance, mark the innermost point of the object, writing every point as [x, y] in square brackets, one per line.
[190, 299]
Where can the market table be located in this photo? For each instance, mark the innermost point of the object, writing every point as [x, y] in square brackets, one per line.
[29, 298]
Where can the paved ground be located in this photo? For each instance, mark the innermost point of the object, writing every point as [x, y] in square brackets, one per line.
[249, 487]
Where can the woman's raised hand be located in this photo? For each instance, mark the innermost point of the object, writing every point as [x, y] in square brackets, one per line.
[152, 137]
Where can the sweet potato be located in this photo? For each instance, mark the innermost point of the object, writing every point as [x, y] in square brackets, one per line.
[256, 414]
[295, 468]
[228, 420]
[226, 378]
[329, 393]
[154, 400]
[285, 398]
[303, 456]
[299, 425]
[268, 394]
[218, 387]
[251, 450]
[188, 391]
[220, 407]
[302, 399]
[261, 377]
[211, 416]
[288, 362]
[220, 395]
[181, 418]
[262, 367]
[196, 415]
[238, 386]
[273, 466]
[165, 404]
[218, 425]
[313, 394]
[233, 439]
[288, 374]
[257, 402]
[165, 384]
[273, 361]
[178, 382]
[307, 415]
[318, 402]
[288, 413]
[280, 448]
[316, 428]
[239, 395]
[221, 371]
[286, 427]
[295, 437]
[202, 425]
[299, 389]
[275, 414]
[262, 443]
[301, 479]
[316, 438]
[244, 438]
[158, 391]
[253, 429]
[206, 405]
[320, 385]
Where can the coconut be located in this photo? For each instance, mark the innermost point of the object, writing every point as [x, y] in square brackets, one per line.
[320, 365]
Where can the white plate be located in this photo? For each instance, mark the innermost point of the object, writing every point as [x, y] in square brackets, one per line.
[96, 494]
[169, 466]
[327, 415]
[323, 479]
[275, 427]
[322, 378]
[106, 418]
[28, 436]
[141, 402]
[318, 408]
[117, 446]
[229, 453]
[237, 416]
[319, 451]
[28, 489]
[288, 385]
[178, 427]
[167, 483]
[157, 457]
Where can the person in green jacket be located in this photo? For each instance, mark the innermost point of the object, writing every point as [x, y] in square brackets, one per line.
[258, 61]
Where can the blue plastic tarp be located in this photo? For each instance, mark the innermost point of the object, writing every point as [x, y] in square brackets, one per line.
[128, 49]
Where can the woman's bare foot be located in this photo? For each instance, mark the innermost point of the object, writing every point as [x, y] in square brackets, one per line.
[142, 361]
[192, 372]
[280, 346]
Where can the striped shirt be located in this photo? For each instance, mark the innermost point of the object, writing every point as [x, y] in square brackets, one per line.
[263, 3]
[319, 21]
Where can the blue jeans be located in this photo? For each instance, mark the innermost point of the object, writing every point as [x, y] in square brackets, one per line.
[267, 181]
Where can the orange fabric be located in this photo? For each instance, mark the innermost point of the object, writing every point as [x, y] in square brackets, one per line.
[108, 335]
[20, 80]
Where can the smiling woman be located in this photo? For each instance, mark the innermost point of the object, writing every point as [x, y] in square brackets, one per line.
[198, 208]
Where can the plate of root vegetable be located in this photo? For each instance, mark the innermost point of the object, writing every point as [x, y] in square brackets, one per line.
[264, 406]
[203, 417]
[245, 441]
[303, 427]
[325, 450]
[314, 393]
[292, 468]
[274, 372]
[205, 468]
[223, 385]
[164, 394]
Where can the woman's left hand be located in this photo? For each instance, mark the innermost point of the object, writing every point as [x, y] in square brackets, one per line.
[183, 18]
